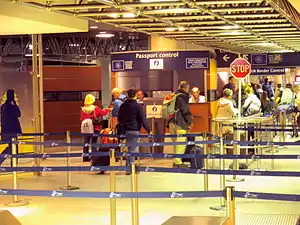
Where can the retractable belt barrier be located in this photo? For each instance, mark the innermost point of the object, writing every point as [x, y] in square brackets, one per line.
[134, 170]
[84, 194]
[145, 195]
[152, 169]
[76, 134]
[147, 155]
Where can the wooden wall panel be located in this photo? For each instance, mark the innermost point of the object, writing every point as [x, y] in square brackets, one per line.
[65, 115]
[70, 78]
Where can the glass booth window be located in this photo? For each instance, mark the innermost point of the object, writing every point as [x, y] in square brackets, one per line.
[69, 95]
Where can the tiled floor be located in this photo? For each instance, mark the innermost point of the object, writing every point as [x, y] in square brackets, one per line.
[53, 211]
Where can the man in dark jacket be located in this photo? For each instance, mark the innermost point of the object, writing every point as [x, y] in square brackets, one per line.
[183, 120]
[131, 118]
[231, 84]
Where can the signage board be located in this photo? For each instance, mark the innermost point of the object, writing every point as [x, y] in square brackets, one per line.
[167, 60]
[154, 111]
[288, 60]
[268, 71]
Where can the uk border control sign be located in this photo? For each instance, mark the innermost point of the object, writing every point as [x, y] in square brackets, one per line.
[240, 68]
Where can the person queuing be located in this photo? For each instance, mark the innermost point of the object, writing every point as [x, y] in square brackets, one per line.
[285, 102]
[252, 103]
[131, 119]
[268, 88]
[117, 100]
[226, 109]
[266, 104]
[196, 97]
[10, 124]
[231, 84]
[91, 117]
[182, 122]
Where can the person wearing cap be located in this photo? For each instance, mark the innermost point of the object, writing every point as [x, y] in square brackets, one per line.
[91, 111]
[196, 97]
[10, 124]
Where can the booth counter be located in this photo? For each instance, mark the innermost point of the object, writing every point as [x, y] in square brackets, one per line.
[202, 117]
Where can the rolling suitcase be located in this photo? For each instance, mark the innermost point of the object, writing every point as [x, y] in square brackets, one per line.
[101, 160]
[104, 160]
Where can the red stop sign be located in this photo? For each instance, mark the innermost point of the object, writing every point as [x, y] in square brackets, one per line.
[240, 68]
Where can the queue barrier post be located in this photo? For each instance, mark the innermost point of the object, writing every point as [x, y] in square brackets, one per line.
[222, 167]
[69, 177]
[134, 201]
[16, 202]
[230, 206]
[284, 125]
[236, 151]
[112, 189]
[222, 177]
[205, 148]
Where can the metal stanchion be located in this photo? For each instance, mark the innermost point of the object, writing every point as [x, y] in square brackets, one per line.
[16, 202]
[281, 122]
[284, 125]
[69, 178]
[134, 201]
[112, 189]
[236, 151]
[205, 162]
[222, 178]
[230, 206]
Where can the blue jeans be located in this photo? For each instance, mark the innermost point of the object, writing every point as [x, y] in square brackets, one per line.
[132, 141]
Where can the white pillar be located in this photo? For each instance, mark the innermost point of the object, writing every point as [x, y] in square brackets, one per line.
[106, 81]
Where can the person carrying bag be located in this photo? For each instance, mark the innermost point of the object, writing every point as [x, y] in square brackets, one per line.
[91, 117]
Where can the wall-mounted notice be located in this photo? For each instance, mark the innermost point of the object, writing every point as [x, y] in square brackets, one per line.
[196, 63]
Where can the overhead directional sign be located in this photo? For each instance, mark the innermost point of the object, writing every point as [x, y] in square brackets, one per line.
[268, 71]
[240, 68]
[224, 59]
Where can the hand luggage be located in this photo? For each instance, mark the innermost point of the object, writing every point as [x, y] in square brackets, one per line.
[101, 160]
[196, 163]
[104, 160]
[188, 148]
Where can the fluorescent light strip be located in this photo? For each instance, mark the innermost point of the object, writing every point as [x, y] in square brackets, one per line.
[104, 35]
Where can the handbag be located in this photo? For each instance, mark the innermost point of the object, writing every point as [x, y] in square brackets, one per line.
[97, 121]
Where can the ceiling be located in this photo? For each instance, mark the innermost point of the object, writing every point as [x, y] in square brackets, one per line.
[22, 19]
[241, 26]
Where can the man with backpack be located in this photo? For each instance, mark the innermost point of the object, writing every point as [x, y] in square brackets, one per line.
[179, 118]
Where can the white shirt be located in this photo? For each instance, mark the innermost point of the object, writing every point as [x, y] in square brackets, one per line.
[201, 99]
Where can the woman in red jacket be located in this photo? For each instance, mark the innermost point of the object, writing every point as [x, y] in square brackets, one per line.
[95, 114]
